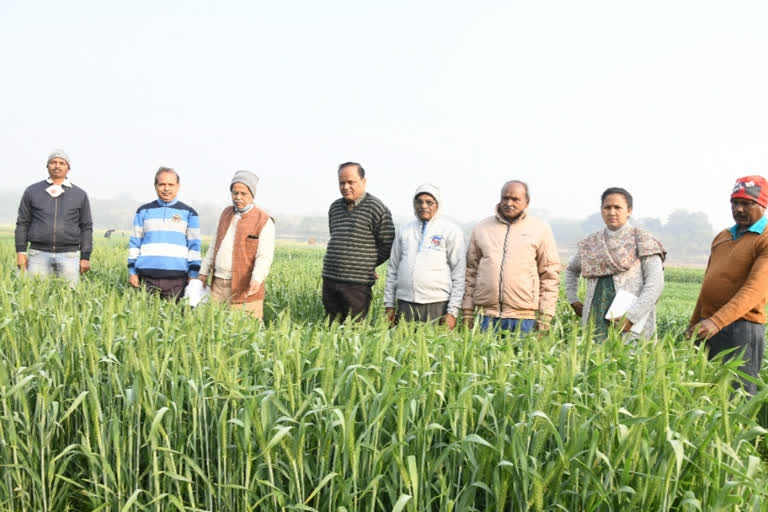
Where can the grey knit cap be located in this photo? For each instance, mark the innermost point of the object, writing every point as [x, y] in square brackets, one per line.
[248, 179]
[57, 153]
[428, 188]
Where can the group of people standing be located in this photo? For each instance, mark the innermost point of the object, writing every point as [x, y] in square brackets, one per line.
[508, 274]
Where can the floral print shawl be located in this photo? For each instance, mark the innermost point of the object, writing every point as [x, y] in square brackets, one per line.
[607, 252]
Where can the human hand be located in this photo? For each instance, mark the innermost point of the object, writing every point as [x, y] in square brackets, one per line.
[449, 321]
[391, 317]
[375, 276]
[85, 266]
[469, 319]
[578, 308]
[133, 279]
[202, 278]
[253, 289]
[621, 324]
[21, 260]
[703, 330]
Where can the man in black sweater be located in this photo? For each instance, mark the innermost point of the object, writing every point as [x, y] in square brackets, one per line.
[55, 220]
[361, 239]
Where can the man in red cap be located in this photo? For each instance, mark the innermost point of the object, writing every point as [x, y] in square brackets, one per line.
[730, 312]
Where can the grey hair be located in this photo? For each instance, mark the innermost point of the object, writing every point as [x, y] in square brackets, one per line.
[518, 182]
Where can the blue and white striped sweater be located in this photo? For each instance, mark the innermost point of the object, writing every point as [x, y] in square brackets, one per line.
[165, 242]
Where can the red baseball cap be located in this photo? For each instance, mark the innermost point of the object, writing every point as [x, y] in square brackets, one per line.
[754, 188]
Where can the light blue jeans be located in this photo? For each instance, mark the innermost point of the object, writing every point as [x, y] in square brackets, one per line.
[60, 264]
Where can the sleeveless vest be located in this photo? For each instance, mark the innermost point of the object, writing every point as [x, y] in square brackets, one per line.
[246, 244]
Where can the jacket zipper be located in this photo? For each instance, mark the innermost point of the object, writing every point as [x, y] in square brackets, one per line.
[501, 271]
[55, 216]
[418, 251]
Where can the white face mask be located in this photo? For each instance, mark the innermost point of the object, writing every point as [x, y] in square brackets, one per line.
[55, 190]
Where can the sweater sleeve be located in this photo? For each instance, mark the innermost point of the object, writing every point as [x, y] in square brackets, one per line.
[194, 245]
[385, 237]
[23, 220]
[572, 274]
[548, 263]
[86, 229]
[470, 276]
[390, 288]
[457, 254]
[265, 253]
[653, 285]
[752, 293]
[134, 243]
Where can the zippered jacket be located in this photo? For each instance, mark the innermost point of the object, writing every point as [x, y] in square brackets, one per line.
[512, 268]
[427, 264]
[54, 224]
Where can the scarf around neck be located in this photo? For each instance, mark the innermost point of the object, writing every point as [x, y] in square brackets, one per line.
[607, 252]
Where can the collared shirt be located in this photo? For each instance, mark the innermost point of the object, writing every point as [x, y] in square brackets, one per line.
[352, 205]
[758, 227]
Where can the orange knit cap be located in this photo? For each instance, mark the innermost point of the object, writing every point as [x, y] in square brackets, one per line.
[754, 188]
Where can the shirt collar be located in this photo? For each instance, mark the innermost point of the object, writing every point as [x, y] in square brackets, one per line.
[356, 202]
[169, 203]
[65, 183]
[758, 227]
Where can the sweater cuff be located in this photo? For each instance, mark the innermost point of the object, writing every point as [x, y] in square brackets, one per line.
[85, 255]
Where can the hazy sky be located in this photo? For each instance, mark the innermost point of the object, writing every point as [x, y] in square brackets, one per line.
[668, 99]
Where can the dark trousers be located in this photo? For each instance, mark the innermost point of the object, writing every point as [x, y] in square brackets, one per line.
[748, 340]
[170, 289]
[412, 311]
[342, 299]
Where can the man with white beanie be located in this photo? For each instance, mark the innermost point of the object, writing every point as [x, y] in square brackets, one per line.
[241, 255]
[425, 276]
[54, 220]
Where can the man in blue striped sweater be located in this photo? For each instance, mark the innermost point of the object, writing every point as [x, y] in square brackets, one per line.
[165, 244]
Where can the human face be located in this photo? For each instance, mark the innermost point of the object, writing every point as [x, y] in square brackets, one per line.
[58, 168]
[167, 187]
[425, 206]
[513, 201]
[241, 196]
[745, 212]
[615, 211]
[351, 186]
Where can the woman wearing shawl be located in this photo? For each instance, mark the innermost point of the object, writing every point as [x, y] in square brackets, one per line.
[242, 252]
[623, 258]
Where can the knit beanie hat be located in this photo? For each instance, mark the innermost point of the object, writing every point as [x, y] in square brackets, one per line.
[754, 188]
[248, 179]
[428, 188]
[58, 154]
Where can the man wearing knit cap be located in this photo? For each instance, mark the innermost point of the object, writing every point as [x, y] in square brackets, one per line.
[362, 232]
[730, 311]
[242, 254]
[164, 248]
[425, 276]
[54, 220]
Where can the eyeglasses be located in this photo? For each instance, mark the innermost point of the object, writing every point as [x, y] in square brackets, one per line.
[428, 203]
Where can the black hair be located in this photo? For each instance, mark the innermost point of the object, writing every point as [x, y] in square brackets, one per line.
[617, 190]
[164, 170]
[360, 170]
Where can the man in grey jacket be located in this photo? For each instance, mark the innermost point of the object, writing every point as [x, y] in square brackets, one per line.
[54, 219]
[425, 276]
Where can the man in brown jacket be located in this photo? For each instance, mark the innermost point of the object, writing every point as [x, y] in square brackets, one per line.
[730, 312]
[512, 267]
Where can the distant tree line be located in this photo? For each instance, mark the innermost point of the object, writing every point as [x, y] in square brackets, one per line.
[686, 235]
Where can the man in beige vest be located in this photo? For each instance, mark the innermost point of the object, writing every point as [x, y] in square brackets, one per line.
[242, 253]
